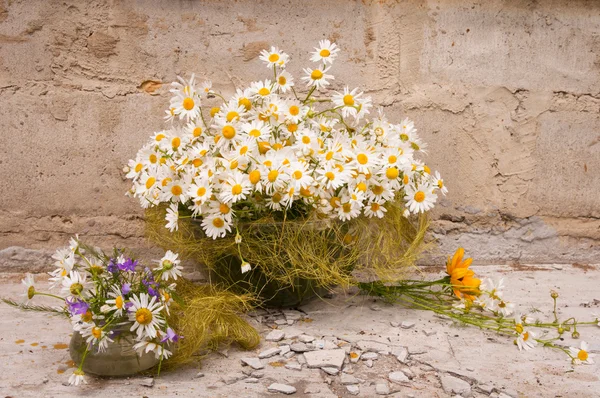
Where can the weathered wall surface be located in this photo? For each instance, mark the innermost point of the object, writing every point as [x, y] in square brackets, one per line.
[506, 94]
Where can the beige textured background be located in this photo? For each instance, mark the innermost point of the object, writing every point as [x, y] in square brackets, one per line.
[506, 94]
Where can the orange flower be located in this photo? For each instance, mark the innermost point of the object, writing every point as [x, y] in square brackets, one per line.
[464, 283]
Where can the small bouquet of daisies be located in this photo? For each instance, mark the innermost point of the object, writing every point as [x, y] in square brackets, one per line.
[104, 295]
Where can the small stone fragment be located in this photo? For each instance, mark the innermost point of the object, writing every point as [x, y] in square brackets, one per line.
[299, 347]
[373, 346]
[289, 354]
[330, 370]
[147, 382]
[258, 374]
[233, 378]
[401, 354]
[327, 358]
[348, 379]
[306, 338]
[293, 315]
[454, 385]
[429, 332]
[470, 369]
[284, 349]
[280, 322]
[199, 375]
[369, 355]
[269, 352]
[369, 363]
[486, 388]
[409, 373]
[375, 307]
[293, 366]
[290, 322]
[355, 356]
[252, 380]
[301, 360]
[353, 389]
[275, 335]
[407, 324]
[382, 389]
[398, 377]
[312, 389]
[254, 363]
[282, 388]
[394, 324]
[291, 333]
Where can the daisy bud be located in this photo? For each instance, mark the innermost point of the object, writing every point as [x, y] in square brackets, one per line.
[238, 239]
[560, 330]
[553, 294]
[246, 267]
[575, 334]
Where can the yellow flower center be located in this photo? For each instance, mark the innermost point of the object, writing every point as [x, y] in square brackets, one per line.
[519, 328]
[176, 142]
[87, 317]
[236, 189]
[119, 302]
[76, 288]
[294, 110]
[159, 137]
[254, 133]
[273, 57]
[176, 190]
[276, 197]
[392, 159]
[138, 167]
[361, 186]
[143, 316]
[297, 174]
[197, 162]
[525, 336]
[254, 176]
[30, 292]
[96, 332]
[214, 111]
[348, 100]
[426, 169]
[232, 115]
[243, 150]
[440, 184]
[282, 80]
[292, 128]
[233, 165]
[347, 207]
[582, 355]
[152, 158]
[218, 222]
[150, 182]
[377, 189]
[419, 196]
[374, 206]
[362, 158]
[245, 102]
[392, 173]
[330, 176]
[224, 209]
[324, 53]
[306, 140]
[404, 137]
[188, 104]
[272, 176]
[316, 74]
[228, 132]
[201, 191]
[264, 91]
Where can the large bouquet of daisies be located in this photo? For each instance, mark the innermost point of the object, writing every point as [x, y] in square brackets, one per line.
[105, 296]
[270, 150]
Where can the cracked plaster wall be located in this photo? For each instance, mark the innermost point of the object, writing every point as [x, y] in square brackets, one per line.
[506, 94]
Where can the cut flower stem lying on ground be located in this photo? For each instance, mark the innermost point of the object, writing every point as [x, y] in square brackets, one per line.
[463, 298]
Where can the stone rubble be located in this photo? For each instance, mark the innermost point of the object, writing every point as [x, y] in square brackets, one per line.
[254, 363]
[325, 358]
[282, 388]
[270, 352]
[275, 335]
[454, 385]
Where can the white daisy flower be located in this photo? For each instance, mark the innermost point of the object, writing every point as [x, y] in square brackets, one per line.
[77, 378]
[582, 354]
[145, 315]
[95, 336]
[526, 340]
[169, 266]
[351, 103]
[439, 183]
[172, 217]
[117, 302]
[246, 267]
[375, 209]
[317, 77]
[273, 57]
[300, 177]
[76, 284]
[284, 81]
[206, 88]
[149, 346]
[29, 284]
[261, 89]
[185, 105]
[257, 129]
[235, 188]
[421, 199]
[215, 226]
[325, 52]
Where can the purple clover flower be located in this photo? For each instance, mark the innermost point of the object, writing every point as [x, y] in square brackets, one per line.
[77, 307]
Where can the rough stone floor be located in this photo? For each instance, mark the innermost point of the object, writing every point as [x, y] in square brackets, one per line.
[405, 353]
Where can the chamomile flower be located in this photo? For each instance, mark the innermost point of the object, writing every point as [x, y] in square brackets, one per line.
[375, 209]
[77, 378]
[284, 81]
[206, 88]
[216, 226]
[419, 199]
[146, 346]
[96, 336]
[169, 266]
[261, 89]
[145, 315]
[117, 302]
[172, 217]
[582, 354]
[29, 284]
[348, 209]
[326, 52]
[439, 183]
[294, 111]
[526, 340]
[273, 57]
[350, 102]
[246, 267]
[235, 188]
[300, 177]
[317, 77]
[76, 284]
[186, 104]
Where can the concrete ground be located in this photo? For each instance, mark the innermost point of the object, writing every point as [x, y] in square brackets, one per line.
[35, 361]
